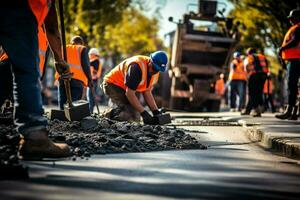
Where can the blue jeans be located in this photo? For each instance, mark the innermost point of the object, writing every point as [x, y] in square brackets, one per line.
[18, 37]
[90, 97]
[237, 87]
[76, 92]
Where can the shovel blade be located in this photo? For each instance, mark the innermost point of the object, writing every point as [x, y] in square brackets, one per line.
[78, 111]
[57, 114]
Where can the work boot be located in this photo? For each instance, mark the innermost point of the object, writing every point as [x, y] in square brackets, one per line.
[286, 114]
[245, 112]
[256, 112]
[294, 115]
[36, 145]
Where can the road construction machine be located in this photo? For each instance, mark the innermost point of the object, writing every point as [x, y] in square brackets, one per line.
[200, 49]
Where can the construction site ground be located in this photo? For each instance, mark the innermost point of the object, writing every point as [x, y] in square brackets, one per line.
[246, 158]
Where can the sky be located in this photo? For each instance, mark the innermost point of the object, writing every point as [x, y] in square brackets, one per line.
[176, 9]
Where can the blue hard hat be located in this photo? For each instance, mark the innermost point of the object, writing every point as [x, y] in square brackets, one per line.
[236, 54]
[159, 60]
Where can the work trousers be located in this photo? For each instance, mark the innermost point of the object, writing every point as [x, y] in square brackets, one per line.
[123, 110]
[76, 92]
[255, 88]
[19, 39]
[293, 76]
[237, 87]
[90, 97]
[268, 100]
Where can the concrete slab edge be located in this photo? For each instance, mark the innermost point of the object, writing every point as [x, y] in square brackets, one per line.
[282, 145]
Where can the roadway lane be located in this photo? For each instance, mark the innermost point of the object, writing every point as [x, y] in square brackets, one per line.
[231, 168]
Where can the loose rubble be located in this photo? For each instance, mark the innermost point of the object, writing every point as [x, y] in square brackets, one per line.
[102, 135]
[10, 166]
[94, 135]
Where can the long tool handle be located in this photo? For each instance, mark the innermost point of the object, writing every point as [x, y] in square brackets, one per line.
[63, 40]
[93, 94]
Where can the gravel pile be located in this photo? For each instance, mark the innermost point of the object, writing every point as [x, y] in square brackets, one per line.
[10, 166]
[95, 136]
[101, 136]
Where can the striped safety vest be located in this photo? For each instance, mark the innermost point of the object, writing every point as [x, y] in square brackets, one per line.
[239, 73]
[117, 75]
[293, 52]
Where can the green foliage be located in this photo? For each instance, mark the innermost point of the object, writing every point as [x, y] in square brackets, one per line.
[116, 26]
[265, 21]
[135, 34]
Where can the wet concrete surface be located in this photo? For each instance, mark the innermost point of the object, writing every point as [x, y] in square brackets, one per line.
[231, 168]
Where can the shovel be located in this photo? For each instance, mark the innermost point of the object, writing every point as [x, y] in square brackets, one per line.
[77, 110]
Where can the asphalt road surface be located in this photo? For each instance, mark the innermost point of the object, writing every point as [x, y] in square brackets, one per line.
[231, 168]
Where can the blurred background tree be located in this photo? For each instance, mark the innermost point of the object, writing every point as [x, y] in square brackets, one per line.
[118, 27]
[264, 24]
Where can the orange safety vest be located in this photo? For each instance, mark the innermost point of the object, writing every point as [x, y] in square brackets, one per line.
[40, 9]
[3, 56]
[117, 75]
[96, 74]
[220, 87]
[43, 45]
[74, 61]
[239, 73]
[268, 89]
[251, 66]
[293, 52]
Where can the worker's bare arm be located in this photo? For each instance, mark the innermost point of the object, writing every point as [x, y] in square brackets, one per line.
[53, 35]
[150, 100]
[130, 94]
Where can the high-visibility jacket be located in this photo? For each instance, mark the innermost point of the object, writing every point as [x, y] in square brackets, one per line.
[268, 87]
[96, 73]
[3, 57]
[293, 52]
[117, 75]
[254, 67]
[74, 61]
[40, 9]
[43, 45]
[220, 87]
[239, 73]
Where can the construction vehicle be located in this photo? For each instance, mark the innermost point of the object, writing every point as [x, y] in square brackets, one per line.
[200, 48]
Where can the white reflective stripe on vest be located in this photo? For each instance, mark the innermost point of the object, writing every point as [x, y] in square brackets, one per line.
[144, 76]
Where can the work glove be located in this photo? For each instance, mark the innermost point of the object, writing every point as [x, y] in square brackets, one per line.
[148, 119]
[157, 112]
[63, 70]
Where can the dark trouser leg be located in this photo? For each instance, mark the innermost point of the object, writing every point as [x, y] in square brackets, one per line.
[18, 36]
[256, 84]
[242, 94]
[118, 97]
[90, 96]
[76, 92]
[293, 75]
[233, 93]
[7, 80]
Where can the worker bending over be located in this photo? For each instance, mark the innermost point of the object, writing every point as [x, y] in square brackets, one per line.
[135, 74]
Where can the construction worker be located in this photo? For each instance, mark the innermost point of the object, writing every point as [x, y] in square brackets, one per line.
[237, 82]
[290, 52]
[135, 74]
[220, 85]
[257, 69]
[96, 69]
[77, 58]
[268, 93]
[18, 36]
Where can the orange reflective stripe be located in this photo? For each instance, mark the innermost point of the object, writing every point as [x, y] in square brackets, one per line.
[43, 45]
[3, 56]
[293, 52]
[117, 75]
[40, 9]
